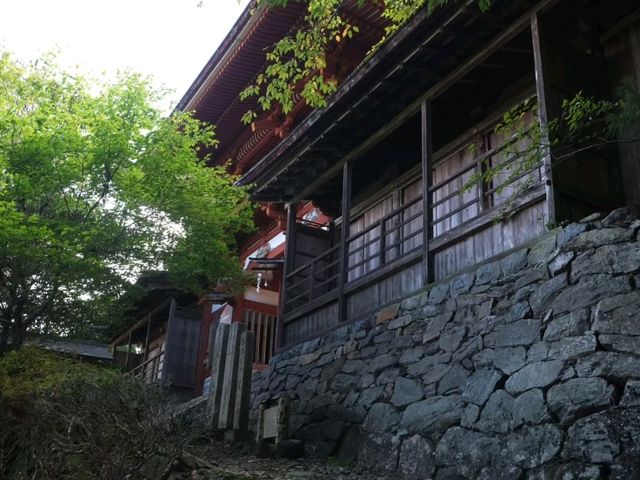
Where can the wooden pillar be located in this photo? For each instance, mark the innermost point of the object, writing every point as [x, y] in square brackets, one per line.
[169, 359]
[481, 168]
[344, 236]
[289, 252]
[427, 181]
[145, 354]
[543, 116]
[126, 359]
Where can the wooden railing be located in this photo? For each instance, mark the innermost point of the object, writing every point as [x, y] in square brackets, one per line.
[150, 370]
[264, 328]
[382, 261]
[318, 277]
[456, 199]
[393, 236]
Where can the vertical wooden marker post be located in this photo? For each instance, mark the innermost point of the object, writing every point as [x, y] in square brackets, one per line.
[230, 378]
[219, 357]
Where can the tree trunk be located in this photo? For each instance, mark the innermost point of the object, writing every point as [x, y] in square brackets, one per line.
[4, 339]
[17, 336]
[5, 330]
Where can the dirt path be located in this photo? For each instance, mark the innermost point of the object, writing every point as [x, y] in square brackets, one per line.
[228, 463]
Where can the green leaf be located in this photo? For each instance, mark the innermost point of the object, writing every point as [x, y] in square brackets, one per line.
[96, 186]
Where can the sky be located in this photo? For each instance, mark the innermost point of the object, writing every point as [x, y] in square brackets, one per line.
[168, 39]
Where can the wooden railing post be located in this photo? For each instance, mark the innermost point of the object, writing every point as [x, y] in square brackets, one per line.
[292, 210]
[312, 276]
[383, 241]
[480, 168]
[126, 359]
[169, 345]
[427, 180]
[146, 340]
[543, 117]
[344, 235]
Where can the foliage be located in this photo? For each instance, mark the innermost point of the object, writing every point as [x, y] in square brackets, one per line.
[526, 142]
[623, 115]
[582, 120]
[62, 419]
[399, 12]
[585, 123]
[296, 63]
[32, 371]
[96, 185]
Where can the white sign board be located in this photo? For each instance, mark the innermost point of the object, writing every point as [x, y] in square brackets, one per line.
[270, 425]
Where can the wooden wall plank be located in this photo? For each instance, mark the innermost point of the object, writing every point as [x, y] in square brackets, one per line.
[494, 239]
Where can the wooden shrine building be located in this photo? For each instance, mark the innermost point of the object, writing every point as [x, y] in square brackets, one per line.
[161, 343]
[214, 98]
[391, 156]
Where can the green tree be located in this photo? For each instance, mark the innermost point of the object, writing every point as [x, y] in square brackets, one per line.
[300, 57]
[584, 124]
[295, 65]
[96, 185]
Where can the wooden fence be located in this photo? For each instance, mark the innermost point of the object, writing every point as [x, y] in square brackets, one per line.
[263, 327]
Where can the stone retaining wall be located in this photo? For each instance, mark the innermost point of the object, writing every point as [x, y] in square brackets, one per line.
[526, 367]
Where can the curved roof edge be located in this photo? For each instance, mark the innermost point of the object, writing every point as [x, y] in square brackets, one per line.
[239, 30]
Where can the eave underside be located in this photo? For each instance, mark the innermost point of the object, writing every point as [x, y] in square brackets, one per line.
[390, 86]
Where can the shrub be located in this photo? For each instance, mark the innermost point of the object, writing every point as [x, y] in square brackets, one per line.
[62, 419]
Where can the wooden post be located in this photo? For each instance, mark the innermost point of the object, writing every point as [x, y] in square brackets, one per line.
[126, 359]
[145, 354]
[344, 236]
[543, 116]
[312, 277]
[256, 328]
[383, 242]
[219, 354]
[167, 364]
[397, 236]
[230, 378]
[481, 168]
[289, 252]
[243, 390]
[427, 174]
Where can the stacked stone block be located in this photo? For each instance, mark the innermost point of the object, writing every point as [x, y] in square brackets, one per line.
[527, 367]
